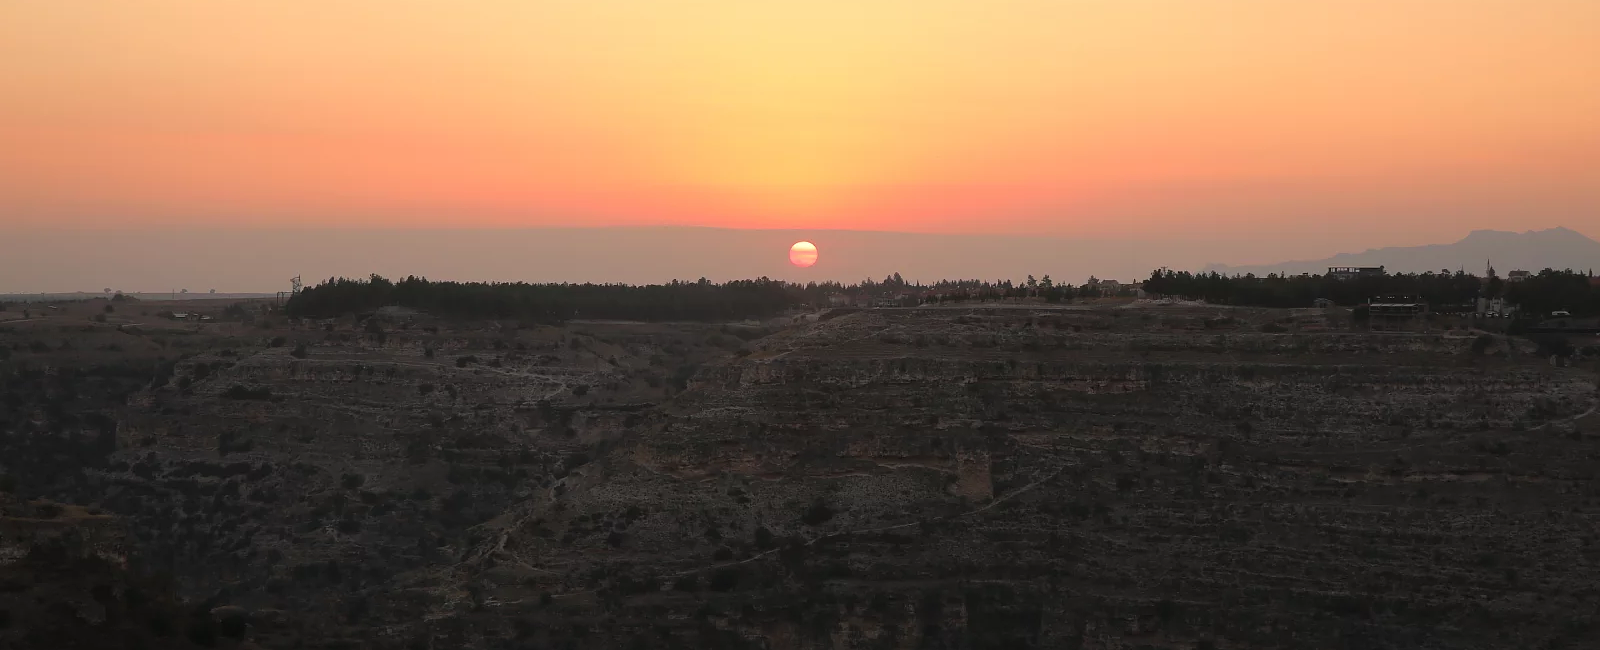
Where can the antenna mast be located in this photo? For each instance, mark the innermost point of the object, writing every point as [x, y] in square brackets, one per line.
[295, 285]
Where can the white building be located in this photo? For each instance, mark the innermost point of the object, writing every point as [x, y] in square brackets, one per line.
[1499, 306]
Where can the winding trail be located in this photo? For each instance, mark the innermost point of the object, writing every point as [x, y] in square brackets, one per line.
[1592, 408]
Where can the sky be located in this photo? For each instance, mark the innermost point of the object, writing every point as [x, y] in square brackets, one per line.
[1306, 127]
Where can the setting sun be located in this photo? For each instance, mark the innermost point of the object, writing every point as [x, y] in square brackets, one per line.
[803, 254]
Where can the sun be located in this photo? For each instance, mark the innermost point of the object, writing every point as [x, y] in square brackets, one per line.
[803, 254]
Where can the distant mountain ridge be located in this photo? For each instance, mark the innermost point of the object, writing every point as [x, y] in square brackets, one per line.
[1534, 250]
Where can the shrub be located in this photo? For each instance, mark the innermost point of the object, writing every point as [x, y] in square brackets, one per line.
[299, 351]
[680, 378]
[725, 579]
[1482, 344]
[580, 390]
[1127, 483]
[424, 389]
[352, 481]
[462, 362]
[240, 392]
[1554, 344]
[233, 627]
[819, 513]
[160, 624]
[277, 342]
[793, 552]
[1273, 328]
[202, 632]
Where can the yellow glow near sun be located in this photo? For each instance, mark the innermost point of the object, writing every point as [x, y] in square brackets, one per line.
[889, 114]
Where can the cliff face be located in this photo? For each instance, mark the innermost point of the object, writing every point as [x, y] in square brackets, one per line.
[1005, 478]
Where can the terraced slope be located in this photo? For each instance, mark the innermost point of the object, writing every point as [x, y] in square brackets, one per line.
[328, 474]
[1001, 477]
[1093, 479]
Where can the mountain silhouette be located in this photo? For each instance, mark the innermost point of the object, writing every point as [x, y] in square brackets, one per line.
[1556, 248]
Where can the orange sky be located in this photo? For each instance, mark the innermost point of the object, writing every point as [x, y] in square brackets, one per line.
[1422, 118]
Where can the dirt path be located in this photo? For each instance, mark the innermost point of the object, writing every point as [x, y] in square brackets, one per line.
[1592, 408]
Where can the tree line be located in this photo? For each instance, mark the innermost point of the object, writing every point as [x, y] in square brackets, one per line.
[691, 301]
[702, 300]
[1540, 294]
[1440, 290]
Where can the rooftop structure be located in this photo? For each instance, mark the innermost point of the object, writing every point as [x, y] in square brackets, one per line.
[1352, 272]
[1397, 313]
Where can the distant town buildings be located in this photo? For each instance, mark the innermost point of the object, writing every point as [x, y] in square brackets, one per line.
[1397, 313]
[1495, 307]
[897, 300]
[1353, 272]
[1518, 276]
